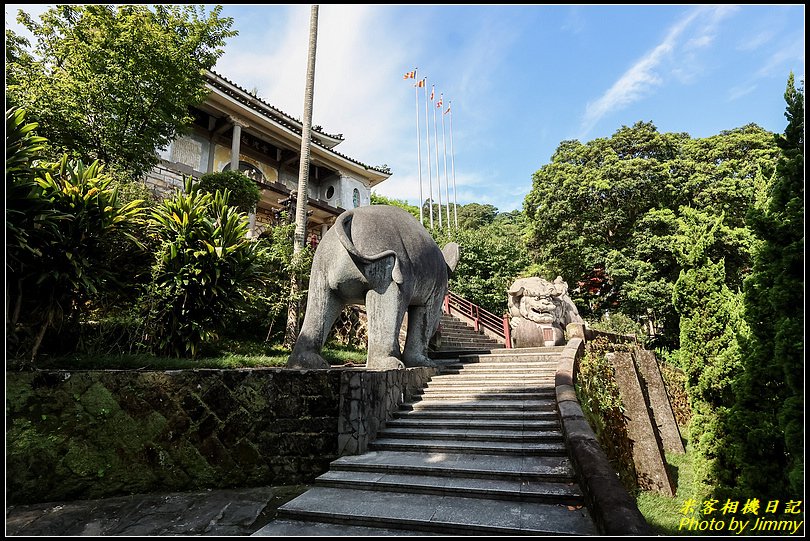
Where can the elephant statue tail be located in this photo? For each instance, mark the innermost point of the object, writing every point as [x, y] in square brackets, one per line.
[342, 228]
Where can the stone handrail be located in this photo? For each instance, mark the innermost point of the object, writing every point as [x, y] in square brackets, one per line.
[612, 508]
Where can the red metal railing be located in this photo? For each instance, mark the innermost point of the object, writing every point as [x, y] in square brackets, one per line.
[482, 321]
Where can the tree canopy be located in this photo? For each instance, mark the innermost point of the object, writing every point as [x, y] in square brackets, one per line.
[605, 214]
[768, 417]
[114, 83]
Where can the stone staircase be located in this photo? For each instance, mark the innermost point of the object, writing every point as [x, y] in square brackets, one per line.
[459, 338]
[479, 452]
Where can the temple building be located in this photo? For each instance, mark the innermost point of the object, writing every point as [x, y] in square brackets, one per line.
[233, 126]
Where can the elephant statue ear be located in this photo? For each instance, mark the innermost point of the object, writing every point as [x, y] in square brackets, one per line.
[451, 255]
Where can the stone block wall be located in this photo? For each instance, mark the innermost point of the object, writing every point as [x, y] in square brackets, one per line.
[163, 181]
[368, 399]
[92, 434]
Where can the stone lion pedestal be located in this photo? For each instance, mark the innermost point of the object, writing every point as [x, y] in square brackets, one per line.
[539, 312]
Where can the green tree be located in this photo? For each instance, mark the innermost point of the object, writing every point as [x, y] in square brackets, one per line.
[114, 83]
[604, 214]
[475, 215]
[377, 199]
[769, 413]
[491, 258]
[710, 327]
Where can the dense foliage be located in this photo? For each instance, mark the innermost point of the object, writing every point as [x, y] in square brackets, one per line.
[203, 268]
[605, 214]
[244, 192]
[768, 417]
[491, 258]
[114, 82]
[710, 326]
[62, 222]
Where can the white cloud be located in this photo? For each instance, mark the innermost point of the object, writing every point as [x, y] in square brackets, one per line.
[740, 90]
[789, 55]
[675, 56]
[574, 21]
[756, 41]
[362, 53]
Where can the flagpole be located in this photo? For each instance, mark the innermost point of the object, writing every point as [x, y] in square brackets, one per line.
[453, 164]
[438, 176]
[446, 179]
[419, 150]
[430, 174]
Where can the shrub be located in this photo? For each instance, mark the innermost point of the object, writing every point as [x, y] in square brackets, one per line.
[203, 270]
[62, 219]
[244, 191]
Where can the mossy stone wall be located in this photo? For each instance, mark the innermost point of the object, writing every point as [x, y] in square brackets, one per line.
[91, 434]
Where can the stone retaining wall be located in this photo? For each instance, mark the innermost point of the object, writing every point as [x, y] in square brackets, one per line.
[92, 434]
[613, 510]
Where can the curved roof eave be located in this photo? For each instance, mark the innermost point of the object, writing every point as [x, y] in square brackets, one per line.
[246, 97]
[292, 138]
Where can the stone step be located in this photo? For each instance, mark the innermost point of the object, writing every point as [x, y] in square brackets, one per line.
[550, 350]
[452, 334]
[484, 447]
[499, 489]
[508, 356]
[478, 466]
[306, 528]
[511, 405]
[484, 385]
[527, 368]
[430, 423]
[478, 414]
[466, 333]
[458, 329]
[461, 328]
[484, 393]
[519, 381]
[446, 514]
[463, 344]
[476, 434]
[454, 353]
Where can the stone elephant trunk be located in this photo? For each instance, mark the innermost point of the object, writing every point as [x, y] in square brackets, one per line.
[382, 257]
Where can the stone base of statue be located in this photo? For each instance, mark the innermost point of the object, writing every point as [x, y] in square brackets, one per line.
[528, 334]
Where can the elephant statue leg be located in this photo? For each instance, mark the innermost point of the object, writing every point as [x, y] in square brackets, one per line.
[385, 313]
[421, 326]
[323, 308]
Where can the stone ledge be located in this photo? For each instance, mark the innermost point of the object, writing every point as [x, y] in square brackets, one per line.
[613, 510]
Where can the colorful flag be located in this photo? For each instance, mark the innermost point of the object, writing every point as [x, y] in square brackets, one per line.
[439, 103]
[420, 84]
[448, 107]
[432, 89]
[410, 75]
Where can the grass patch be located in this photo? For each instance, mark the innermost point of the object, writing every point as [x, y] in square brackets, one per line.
[662, 512]
[230, 354]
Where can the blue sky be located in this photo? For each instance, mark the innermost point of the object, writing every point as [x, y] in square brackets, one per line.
[521, 78]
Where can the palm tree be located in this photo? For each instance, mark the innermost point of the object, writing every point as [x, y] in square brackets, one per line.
[303, 181]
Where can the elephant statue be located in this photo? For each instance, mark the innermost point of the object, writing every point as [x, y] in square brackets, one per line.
[380, 256]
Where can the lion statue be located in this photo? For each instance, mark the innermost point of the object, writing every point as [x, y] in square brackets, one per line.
[539, 311]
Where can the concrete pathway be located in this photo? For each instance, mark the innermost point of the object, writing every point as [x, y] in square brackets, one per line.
[480, 453]
[206, 512]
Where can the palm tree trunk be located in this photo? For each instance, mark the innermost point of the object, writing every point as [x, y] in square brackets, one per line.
[300, 238]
